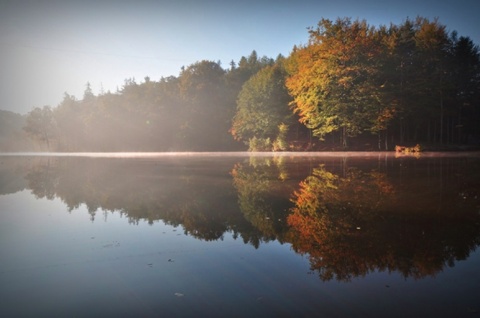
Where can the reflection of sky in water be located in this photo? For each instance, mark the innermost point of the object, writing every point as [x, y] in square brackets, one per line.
[61, 262]
[50, 256]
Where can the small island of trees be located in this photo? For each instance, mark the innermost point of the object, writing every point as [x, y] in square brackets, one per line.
[352, 86]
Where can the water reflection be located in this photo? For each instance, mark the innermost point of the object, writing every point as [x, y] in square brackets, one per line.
[263, 195]
[369, 220]
[183, 193]
[349, 215]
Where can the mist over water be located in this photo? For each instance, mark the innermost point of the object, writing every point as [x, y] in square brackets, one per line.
[352, 154]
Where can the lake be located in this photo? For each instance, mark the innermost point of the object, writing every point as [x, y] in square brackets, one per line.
[238, 234]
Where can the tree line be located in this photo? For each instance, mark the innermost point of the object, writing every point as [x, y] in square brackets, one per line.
[190, 112]
[352, 86]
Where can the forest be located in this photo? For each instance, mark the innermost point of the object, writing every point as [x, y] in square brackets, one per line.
[352, 86]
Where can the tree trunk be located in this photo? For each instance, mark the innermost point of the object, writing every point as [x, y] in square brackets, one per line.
[45, 136]
[402, 137]
[441, 119]
[386, 139]
[344, 138]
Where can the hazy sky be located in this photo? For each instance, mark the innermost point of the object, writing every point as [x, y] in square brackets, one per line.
[51, 47]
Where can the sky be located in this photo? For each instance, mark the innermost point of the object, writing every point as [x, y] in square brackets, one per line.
[48, 48]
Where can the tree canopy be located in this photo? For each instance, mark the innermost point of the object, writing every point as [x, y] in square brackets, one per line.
[353, 78]
[335, 81]
[262, 106]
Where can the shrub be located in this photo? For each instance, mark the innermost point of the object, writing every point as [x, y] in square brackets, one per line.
[259, 144]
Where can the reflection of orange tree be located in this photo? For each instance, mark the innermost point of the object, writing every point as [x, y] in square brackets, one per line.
[349, 227]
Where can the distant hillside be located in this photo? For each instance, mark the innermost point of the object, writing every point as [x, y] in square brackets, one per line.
[12, 136]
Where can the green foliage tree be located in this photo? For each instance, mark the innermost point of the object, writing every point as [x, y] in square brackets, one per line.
[247, 67]
[41, 125]
[12, 136]
[399, 72]
[69, 117]
[206, 114]
[280, 143]
[466, 78]
[262, 106]
[432, 82]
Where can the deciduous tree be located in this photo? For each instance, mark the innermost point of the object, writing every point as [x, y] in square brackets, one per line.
[334, 80]
[41, 124]
[262, 106]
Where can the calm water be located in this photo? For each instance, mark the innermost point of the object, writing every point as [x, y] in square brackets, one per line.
[332, 235]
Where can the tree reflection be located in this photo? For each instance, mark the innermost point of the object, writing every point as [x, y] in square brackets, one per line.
[42, 179]
[11, 175]
[350, 216]
[263, 191]
[363, 222]
[202, 202]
